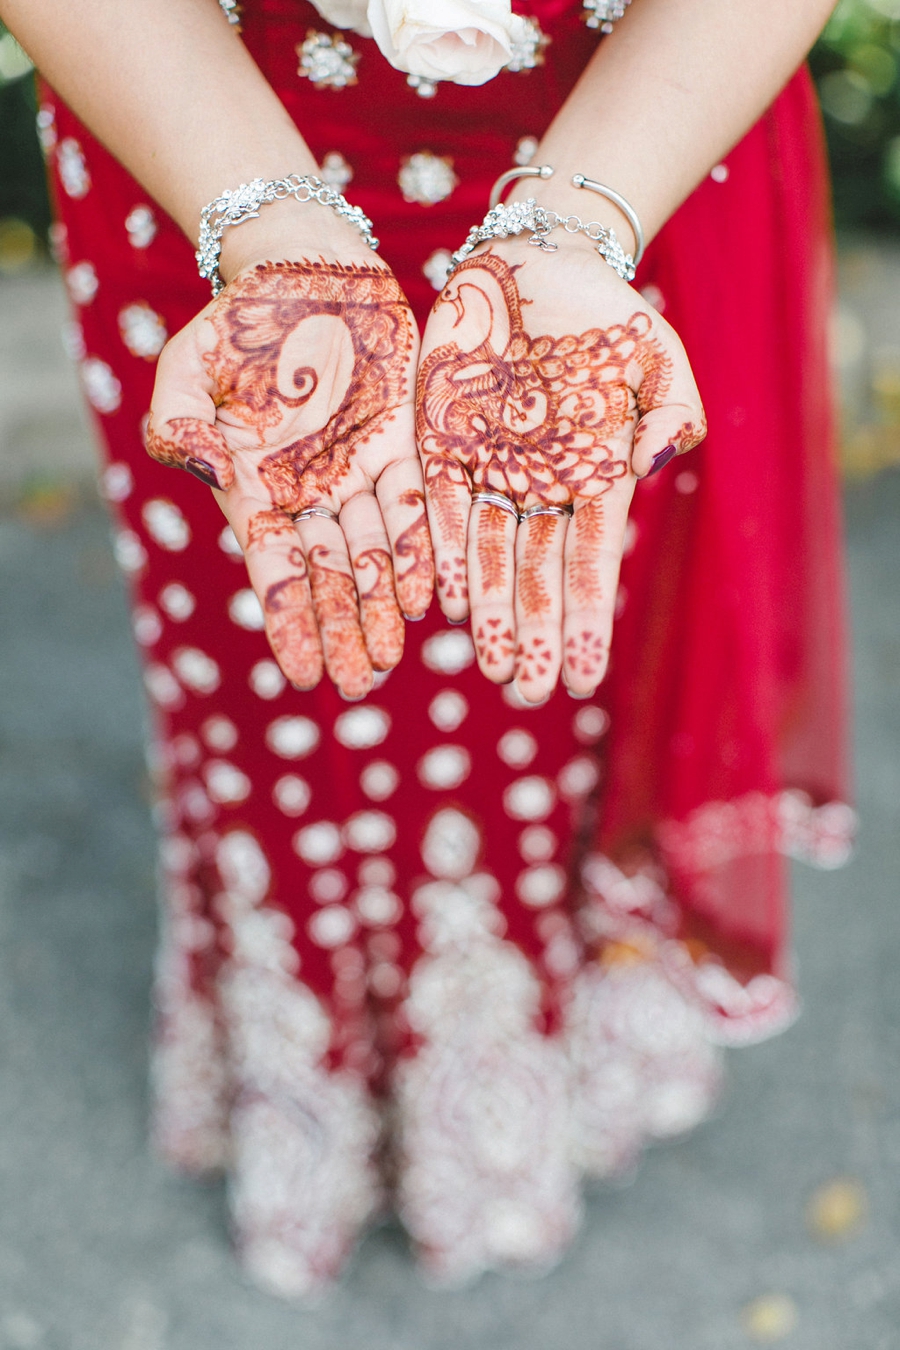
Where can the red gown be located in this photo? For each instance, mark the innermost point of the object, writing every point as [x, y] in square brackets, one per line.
[435, 949]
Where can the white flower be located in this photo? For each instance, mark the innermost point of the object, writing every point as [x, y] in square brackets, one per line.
[345, 14]
[466, 41]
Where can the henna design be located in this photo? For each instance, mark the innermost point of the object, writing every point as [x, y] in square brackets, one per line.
[451, 579]
[255, 322]
[415, 583]
[382, 621]
[491, 548]
[534, 597]
[586, 654]
[534, 658]
[583, 573]
[267, 522]
[337, 610]
[291, 626]
[188, 444]
[494, 642]
[530, 417]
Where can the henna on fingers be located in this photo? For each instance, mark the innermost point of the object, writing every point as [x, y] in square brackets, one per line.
[336, 607]
[415, 583]
[382, 622]
[495, 646]
[291, 626]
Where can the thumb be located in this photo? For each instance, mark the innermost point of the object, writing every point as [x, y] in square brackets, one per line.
[182, 428]
[672, 417]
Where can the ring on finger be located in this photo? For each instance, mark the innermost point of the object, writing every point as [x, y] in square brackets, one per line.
[309, 511]
[489, 498]
[541, 510]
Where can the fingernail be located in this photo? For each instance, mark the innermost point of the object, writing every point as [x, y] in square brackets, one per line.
[200, 469]
[457, 623]
[413, 618]
[581, 696]
[661, 459]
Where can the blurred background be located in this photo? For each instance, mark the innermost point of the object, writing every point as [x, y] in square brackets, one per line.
[778, 1222]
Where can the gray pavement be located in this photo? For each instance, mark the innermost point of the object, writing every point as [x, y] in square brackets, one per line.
[710, 1248]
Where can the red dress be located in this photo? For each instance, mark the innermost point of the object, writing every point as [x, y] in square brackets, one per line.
[436, 946]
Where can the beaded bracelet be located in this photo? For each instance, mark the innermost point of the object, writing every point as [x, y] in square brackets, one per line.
[234, 207]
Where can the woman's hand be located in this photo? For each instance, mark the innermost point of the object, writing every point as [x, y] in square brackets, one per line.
[291, 394]
[548, 380]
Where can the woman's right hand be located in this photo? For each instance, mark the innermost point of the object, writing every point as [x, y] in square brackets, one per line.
[291, 395]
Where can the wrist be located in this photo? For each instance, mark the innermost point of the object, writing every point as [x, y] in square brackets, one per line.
[293, 231]
[560, 195]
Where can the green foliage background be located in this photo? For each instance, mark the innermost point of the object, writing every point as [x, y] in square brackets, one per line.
[856, 64]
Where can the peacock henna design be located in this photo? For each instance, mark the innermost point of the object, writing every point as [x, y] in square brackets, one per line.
[533, 418]
[382, 621]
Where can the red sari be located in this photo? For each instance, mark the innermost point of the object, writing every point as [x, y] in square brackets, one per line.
[436, 945]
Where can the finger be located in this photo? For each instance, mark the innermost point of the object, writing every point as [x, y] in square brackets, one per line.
[539, 605]
[672, 420]
[370, 558]
[594, 543]
[491, 569]
[279, 575]
[181, 430]
[336, 606]
[448, 499]
[402, 500]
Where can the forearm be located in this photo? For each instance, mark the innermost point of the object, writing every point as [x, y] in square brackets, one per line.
[170, 89]
[668, 94]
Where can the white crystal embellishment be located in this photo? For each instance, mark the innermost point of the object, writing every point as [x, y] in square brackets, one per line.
[328, 62]
[427, 178]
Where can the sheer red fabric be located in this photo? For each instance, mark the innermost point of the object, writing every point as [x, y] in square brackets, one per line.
[482, 913]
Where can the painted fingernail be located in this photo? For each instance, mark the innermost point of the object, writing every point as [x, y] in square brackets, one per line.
[200, 469]
[661, 459]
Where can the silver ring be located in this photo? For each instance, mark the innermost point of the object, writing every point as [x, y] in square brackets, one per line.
[496, 499]
[541, 510]
[309, 511]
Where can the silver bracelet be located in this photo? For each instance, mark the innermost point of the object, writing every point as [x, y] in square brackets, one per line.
[243, 203]
[513, 218]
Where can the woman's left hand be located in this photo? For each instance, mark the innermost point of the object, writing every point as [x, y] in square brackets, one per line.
[548, 380]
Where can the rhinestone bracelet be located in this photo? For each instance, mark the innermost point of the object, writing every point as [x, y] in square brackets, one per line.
[243, 203]
[512, 218]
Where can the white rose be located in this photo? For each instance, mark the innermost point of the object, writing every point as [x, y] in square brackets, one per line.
[345, 14]
[466, 41]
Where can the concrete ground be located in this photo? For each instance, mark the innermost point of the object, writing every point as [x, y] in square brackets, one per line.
[777, 1222]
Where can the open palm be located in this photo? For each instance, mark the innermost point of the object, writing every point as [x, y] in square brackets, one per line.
[557, 428]
[291, 394]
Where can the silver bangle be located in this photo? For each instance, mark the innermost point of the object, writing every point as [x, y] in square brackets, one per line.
[504, 219]
[243, 203]
[628, 211]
